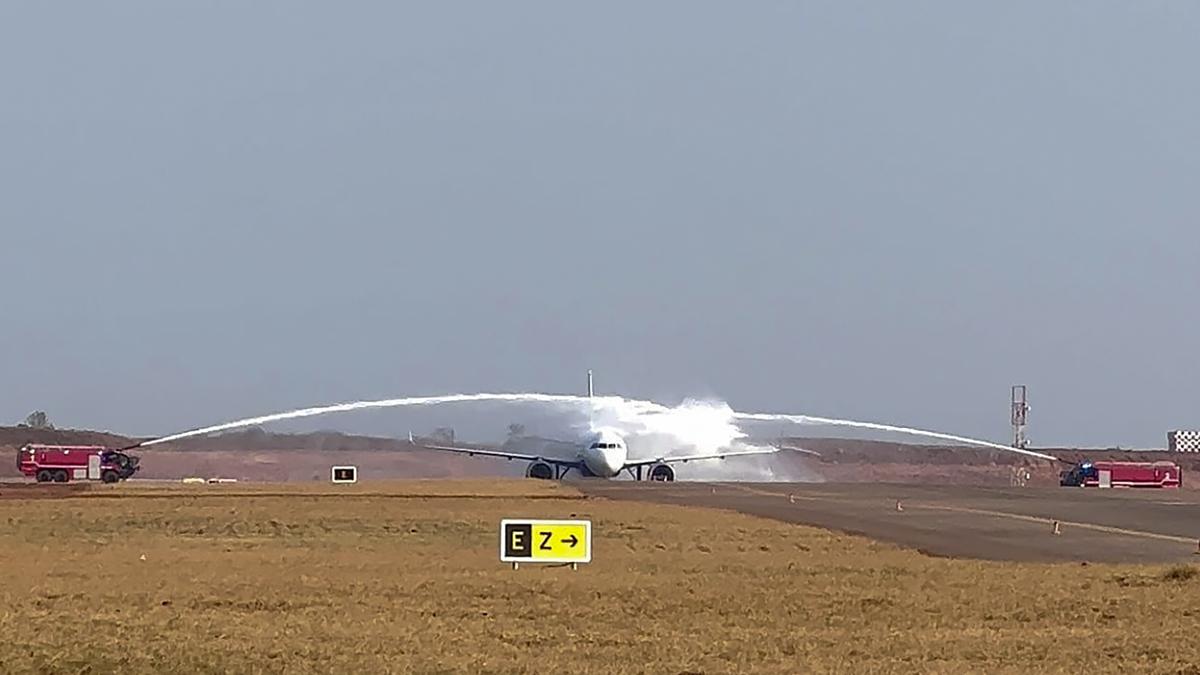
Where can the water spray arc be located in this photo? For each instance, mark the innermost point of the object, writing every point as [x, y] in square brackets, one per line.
[628, 408]
[875, 426]
[366, 405]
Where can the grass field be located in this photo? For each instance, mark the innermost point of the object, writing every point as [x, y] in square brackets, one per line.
[391, 578]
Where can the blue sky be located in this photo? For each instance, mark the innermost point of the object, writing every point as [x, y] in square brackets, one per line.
[887, 211]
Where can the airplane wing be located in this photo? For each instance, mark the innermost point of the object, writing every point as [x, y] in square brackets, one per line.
[690, 458]
[793, 448]
[471, 452]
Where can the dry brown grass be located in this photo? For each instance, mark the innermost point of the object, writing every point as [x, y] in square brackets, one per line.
[320, 581]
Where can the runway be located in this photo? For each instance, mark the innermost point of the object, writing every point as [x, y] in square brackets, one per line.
[1012, 524]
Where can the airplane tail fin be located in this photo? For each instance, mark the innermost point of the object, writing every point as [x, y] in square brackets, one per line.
[591, 408]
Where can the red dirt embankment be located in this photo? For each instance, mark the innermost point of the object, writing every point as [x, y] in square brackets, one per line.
[255, 455]
[15, 437]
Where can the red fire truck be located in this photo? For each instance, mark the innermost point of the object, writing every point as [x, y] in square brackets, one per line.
[1124, 474]
[62, 463]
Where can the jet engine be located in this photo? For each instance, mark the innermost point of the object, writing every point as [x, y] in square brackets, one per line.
[662, 473]
[540, 470]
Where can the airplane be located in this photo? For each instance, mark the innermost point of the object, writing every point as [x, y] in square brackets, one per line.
[602, 453]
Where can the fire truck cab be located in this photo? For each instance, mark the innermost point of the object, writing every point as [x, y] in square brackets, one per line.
[63, 463]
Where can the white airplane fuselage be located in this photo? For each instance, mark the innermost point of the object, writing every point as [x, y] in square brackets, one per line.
[604, 453]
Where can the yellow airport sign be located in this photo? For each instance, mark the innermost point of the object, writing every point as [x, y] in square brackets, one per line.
[545, 541]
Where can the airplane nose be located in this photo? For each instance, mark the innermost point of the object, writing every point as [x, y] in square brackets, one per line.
[614, 460]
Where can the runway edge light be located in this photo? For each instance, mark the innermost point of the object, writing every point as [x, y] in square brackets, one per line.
[545, 541]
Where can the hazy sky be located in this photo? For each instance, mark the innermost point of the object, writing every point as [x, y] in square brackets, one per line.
[881, 210]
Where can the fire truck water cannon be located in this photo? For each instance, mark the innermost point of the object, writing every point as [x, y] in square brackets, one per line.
[65, 463]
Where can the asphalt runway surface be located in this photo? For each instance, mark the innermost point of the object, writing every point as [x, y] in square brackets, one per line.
[1013, 524]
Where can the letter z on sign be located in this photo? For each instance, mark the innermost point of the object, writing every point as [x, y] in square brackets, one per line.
[545, 541]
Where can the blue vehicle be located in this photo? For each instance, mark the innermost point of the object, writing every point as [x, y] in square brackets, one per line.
[1079, 475]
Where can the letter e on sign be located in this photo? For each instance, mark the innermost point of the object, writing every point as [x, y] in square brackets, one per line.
[345, 474]
[518, 540]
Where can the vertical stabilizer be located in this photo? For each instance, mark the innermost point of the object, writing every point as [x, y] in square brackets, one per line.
[590, 391]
